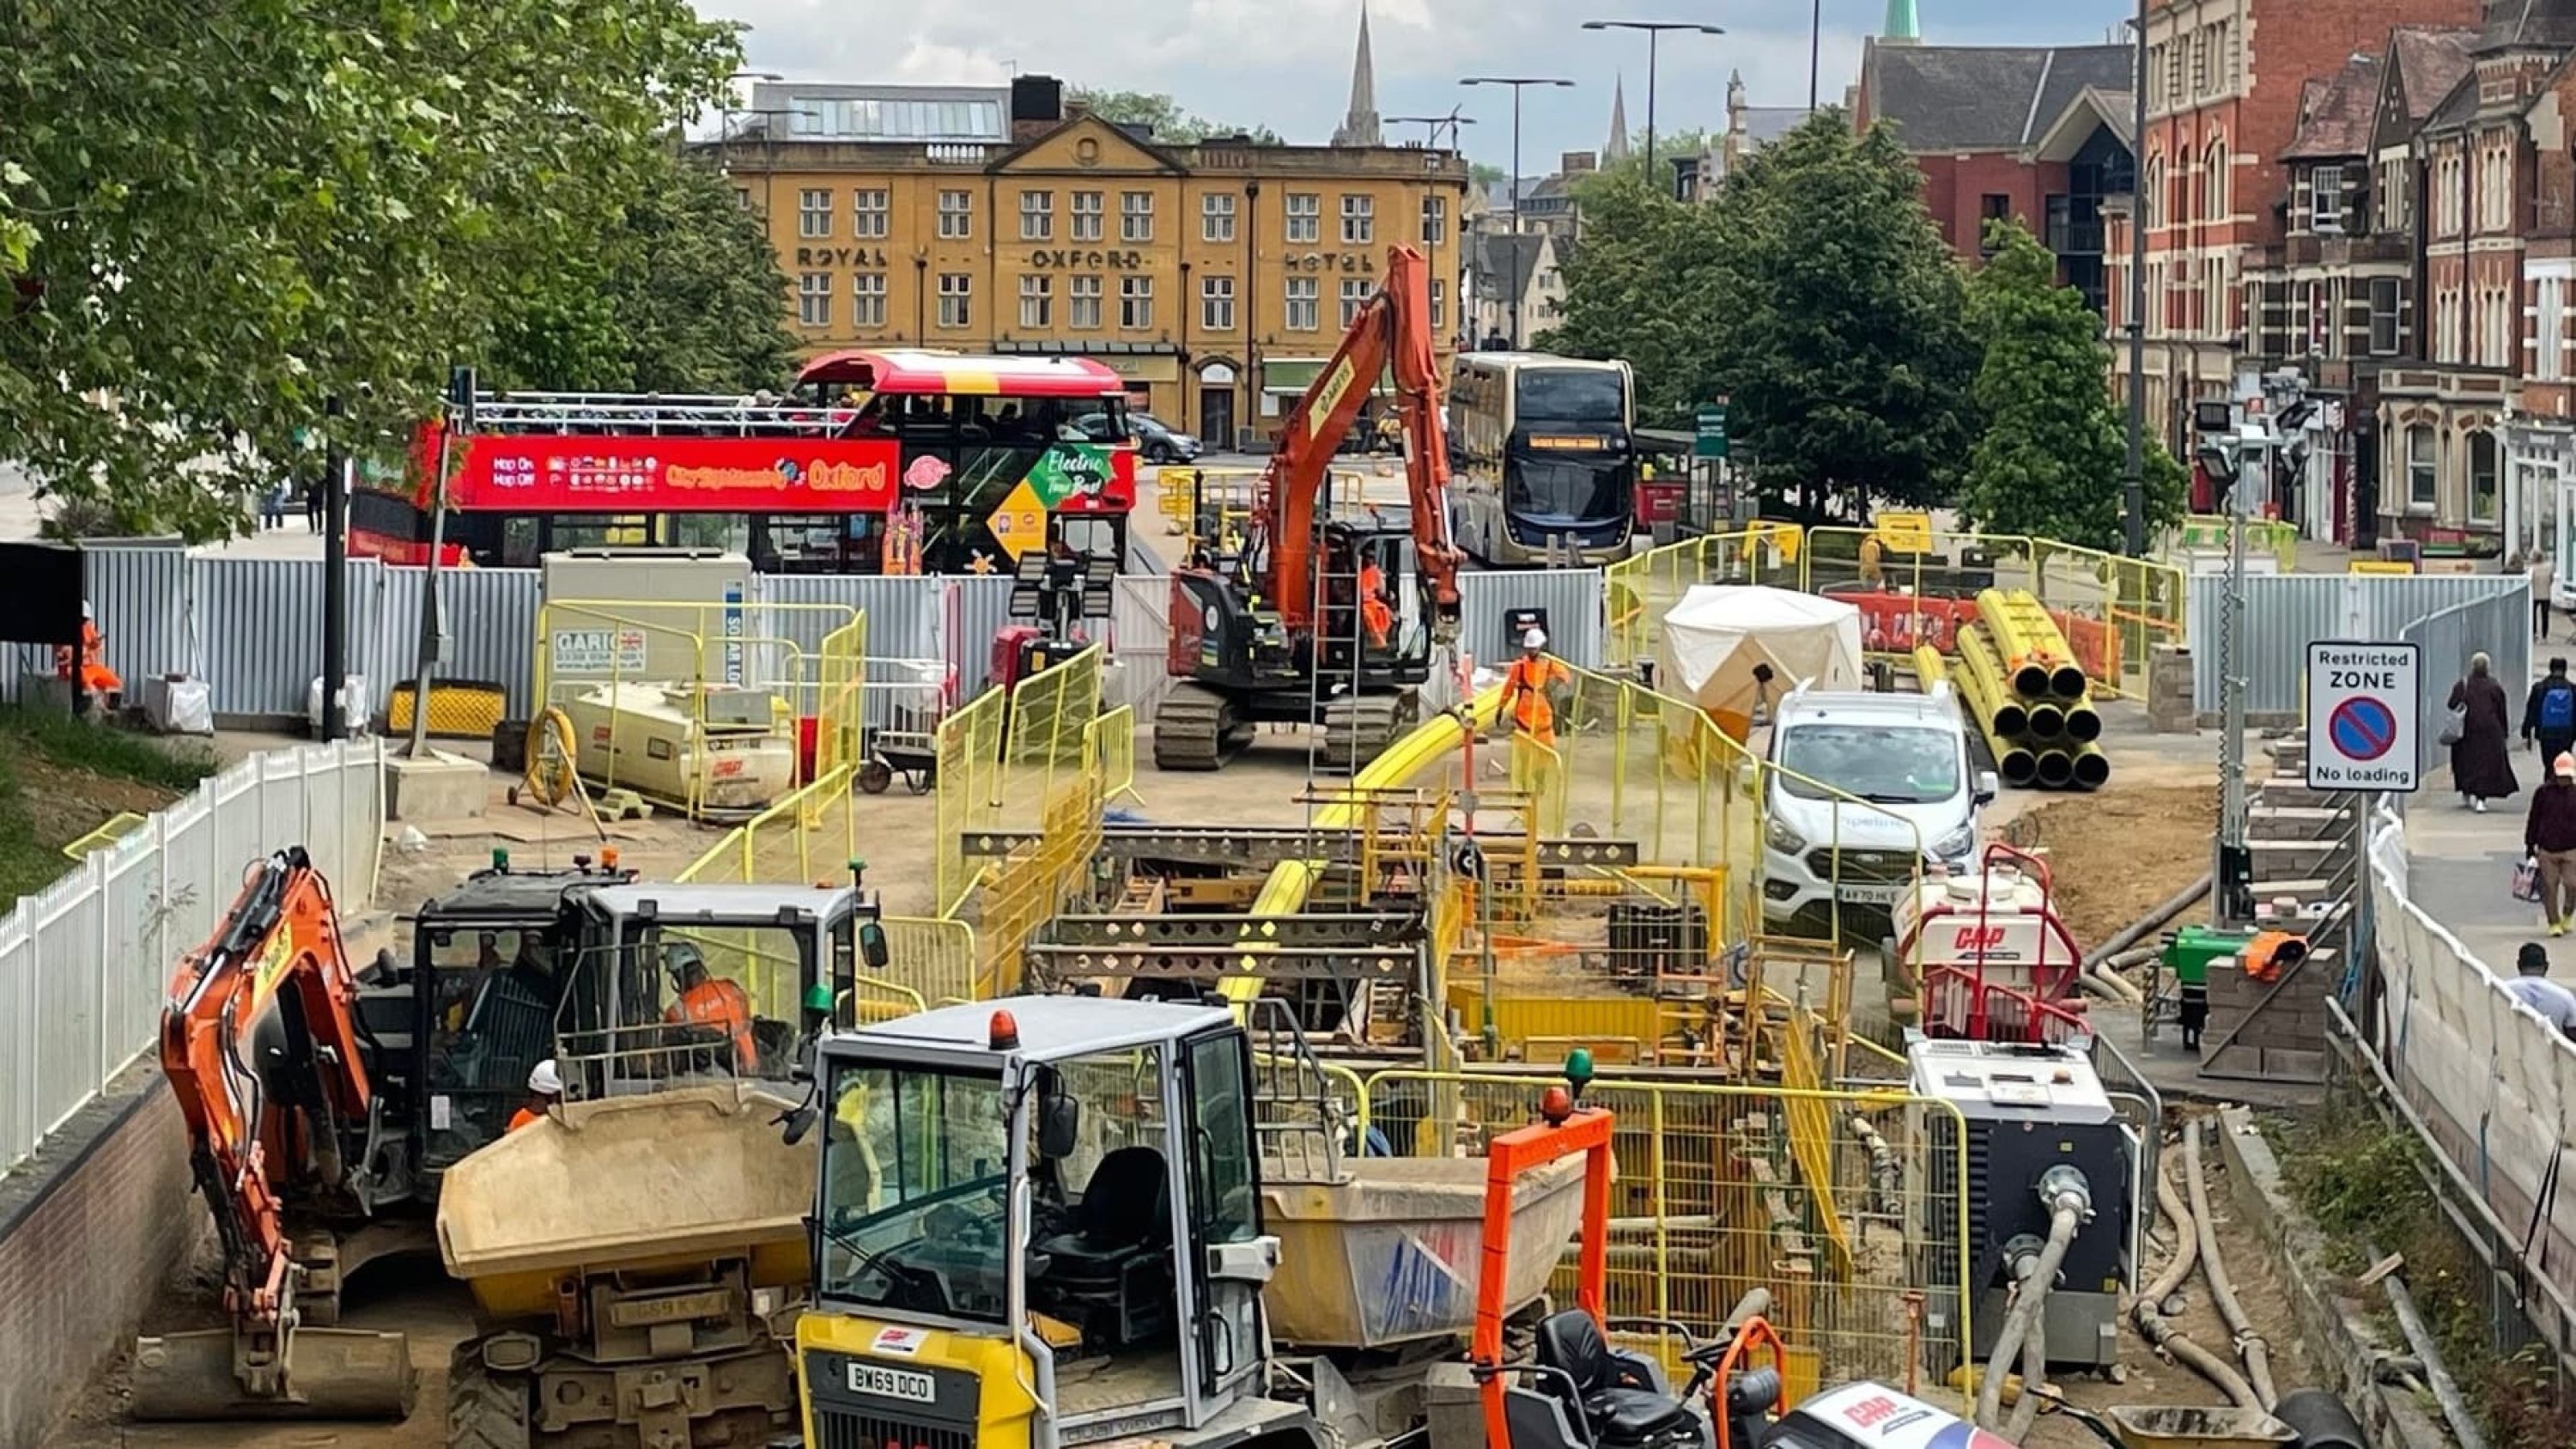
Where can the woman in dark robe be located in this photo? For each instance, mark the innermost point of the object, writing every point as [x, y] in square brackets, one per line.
[2482, 759]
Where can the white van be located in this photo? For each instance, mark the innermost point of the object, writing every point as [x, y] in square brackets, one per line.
[1908, 756]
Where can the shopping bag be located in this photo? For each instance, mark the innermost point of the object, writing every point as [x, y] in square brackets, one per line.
[2455, 725]
[2526, 880]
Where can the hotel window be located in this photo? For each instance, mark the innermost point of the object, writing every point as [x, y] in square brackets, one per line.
[1355, 294]
[1305, 216]
[956, 299]
[1216, 217]
[1136, 304]
[1216, 304]
[868, 299]
[1136, 216]
[871, 214]
[1083, 303]
[1359, 220]
[813, 213]
[1037, 302]
[956, 215]
[1435, 220]
[1088, 214]
[814, 299]
[1439, 305]
[1304, 294]
[1037, 216]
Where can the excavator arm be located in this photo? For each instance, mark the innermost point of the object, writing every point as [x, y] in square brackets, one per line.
[1392, 329]
[261, 1043]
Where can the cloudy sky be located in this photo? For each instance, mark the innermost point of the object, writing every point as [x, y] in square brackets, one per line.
[1286, 63]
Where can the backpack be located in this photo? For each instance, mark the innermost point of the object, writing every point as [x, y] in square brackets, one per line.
[2558, 707]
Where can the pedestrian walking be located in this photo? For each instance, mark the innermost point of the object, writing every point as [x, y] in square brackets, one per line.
[313, 506]
[2549, 842]
[2480, 738]
[272, 506]
[2549, 715]
[2532, 987]
[2544, 576]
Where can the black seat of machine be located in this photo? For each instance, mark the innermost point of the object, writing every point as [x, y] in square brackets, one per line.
[1113, 1270]
[1621, 1396]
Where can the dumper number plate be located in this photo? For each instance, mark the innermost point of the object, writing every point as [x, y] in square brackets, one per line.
[890, 1383]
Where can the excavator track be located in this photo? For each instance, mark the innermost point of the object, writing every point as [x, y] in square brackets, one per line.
[1196, 729]
[1357, 731]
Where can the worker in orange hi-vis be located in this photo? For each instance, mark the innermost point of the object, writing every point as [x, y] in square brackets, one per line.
[87, 666]
[715, 1004]
[1375, 612]
[1530, 712]
[545, 1093]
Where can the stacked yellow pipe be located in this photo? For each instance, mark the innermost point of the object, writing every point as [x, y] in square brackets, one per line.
[1980, 684]
[2025, 672]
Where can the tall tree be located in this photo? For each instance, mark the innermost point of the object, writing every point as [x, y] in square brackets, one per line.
[244, 208]
[681, 294]
[1840, 331]
[1161, 116]
[2049, 460]
[1814, 292]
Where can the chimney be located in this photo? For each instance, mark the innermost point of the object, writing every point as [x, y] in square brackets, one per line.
[1037, 104]
[1577, 163]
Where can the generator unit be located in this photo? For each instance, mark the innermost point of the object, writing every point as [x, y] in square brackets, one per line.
[2031, 1111]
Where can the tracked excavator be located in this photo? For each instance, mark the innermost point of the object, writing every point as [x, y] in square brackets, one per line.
[1324, 620]
[274, 1073]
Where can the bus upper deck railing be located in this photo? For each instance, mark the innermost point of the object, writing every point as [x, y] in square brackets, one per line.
[648, 414]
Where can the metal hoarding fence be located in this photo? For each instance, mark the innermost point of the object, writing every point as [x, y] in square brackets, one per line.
[2283, 612]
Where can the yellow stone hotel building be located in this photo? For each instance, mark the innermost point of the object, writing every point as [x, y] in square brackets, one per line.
[1216, 278]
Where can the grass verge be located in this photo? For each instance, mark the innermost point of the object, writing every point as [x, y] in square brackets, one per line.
[2368, 1186]
[61, 778]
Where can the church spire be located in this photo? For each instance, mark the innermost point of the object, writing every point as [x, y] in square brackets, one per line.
[1902, 23]
[1360, 127]
[1617, 150]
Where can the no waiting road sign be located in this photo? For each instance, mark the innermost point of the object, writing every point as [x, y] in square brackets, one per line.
[2362, 705]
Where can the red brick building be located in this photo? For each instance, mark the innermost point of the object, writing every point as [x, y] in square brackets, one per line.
[2031, 133]
[2540, 429]
[2225, 83]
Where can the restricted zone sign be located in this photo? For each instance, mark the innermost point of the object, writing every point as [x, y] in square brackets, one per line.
[2362, 704]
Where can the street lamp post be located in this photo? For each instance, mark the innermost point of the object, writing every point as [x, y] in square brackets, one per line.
[1654, 35]
[1815, 46]
[2133, 482]
[1518, 83]
[1453, 120]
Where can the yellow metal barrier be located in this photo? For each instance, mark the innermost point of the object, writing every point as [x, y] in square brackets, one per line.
[2262, 535]
[1643, 587]
[2113, 610]
[806, 836]
[840, 697]
[1110, 742]
[933, 958]
[1723, 1189]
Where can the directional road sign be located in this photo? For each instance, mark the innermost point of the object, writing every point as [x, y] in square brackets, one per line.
[2363, 701]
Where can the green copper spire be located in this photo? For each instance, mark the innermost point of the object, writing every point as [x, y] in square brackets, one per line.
[1901, 22]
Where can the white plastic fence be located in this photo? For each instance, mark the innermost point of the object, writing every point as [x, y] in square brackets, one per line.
[85, 964]
[2494, 1082]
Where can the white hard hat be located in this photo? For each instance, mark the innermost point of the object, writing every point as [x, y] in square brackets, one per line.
[1534, 639]
[545, 1081]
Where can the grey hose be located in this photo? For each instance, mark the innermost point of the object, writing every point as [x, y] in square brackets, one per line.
[2023, 1321]
[2222, 1294]
[2149, 1309]
[2034, 1372]
[2152, 921]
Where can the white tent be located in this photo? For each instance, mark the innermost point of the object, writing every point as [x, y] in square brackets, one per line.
[1718, 633]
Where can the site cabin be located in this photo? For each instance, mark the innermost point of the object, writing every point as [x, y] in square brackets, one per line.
[878, 462]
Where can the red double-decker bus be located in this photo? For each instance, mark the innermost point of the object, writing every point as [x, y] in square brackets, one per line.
[891, 461]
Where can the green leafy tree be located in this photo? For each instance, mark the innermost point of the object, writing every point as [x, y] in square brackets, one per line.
[1487, 175]
[1162, 116]
[682, 294]
[241, 210]
[2050, 459]
[1814, 292]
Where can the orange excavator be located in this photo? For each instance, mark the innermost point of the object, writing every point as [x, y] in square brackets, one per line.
[1324, 619]
[263, 1047]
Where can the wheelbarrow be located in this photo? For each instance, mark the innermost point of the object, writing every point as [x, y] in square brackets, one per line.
[2174, 1426]
[912, 754]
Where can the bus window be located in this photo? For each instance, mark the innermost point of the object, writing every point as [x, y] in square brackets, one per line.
[520, 546]
[600, 530]
[730, 532]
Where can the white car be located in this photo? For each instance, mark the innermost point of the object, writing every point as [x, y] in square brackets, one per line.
[1908, 757]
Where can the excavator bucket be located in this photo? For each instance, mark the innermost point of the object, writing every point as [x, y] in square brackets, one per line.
[329, 1373]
